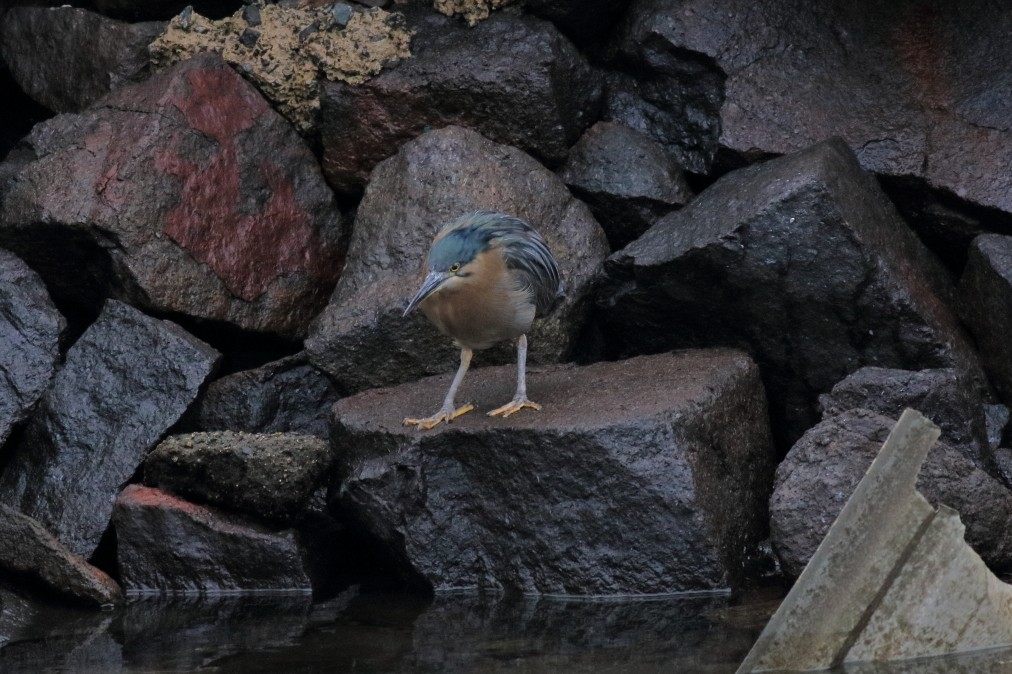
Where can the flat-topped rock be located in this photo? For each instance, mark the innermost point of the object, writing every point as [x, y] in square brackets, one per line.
[642, 476]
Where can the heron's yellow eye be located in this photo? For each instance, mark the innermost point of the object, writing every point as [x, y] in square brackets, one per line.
[454, 267]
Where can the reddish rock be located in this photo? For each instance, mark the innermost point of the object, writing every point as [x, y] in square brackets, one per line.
[168, 545]
[66, 58]
[28, 550]
[216, 207]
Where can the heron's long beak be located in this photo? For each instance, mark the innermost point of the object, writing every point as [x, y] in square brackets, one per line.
[429, 285]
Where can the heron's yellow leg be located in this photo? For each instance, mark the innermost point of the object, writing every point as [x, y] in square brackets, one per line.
[520, 400]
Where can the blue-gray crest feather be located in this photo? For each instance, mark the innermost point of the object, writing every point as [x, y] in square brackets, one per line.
[526, 252]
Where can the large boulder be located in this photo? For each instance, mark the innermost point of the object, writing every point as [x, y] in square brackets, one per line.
[949, 398]
[184, 194]
[283, 396]
[920, 96]
[985, 304]
[123, 384]
[27, 550]
[512, 78]
[66, 58]
[165, 544]
[821, 471]
[644, 476]
[30, 328]
[270, 476]
[361, 339]
[626, 178]
[804, 261]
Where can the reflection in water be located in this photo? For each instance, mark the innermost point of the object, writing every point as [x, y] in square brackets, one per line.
[398, 633]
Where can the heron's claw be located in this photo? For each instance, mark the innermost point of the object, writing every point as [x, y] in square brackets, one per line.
[445, 414]
[514, 406]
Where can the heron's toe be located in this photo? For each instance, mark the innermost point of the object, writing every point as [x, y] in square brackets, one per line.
[514, 406]
[446, 414]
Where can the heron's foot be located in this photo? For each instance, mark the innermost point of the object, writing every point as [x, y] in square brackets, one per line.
[514, 406]
[446, 414]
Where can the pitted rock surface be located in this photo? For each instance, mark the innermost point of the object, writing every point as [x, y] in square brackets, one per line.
[123, 384]
[513, 79]
[269, 476]
[30, 328]
[186, 194]
[168, 545]
[362, 340]
[803, 260]
[642, 476]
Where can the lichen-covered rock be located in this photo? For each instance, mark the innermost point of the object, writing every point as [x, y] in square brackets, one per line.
[643, 476]
[985, 304]
[821, 471]
[626, 178]
[514, 79]
[804, 260]
[362, 340]
[185, 194]
[284, 396]
[270, 476]
[286, 49]
[123, 384]
[66, 58]
[30, 328]
[167, 545]
[27, 550]
[472, 11]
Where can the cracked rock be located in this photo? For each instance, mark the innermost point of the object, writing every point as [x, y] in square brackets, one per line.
[803, 260]
[985, 294]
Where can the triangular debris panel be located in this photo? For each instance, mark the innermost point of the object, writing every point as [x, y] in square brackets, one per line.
[893, 578]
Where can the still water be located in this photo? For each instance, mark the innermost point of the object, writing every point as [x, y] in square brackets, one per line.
[373, 633]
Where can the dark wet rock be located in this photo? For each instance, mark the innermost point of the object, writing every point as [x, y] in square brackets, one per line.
[585, 22]
[123, 384]
[30, 328]
[820, 472]
[985, 304]
[647, 475]
[28, 551]
[284, 396]
[514, 79]
[148, 10]
[185, 194]
[626, 178]
[270, 476]
[949, 398]
[919, 92]
[996, 423]
[66, 58]
[361, 339]
[803, 260]
[168, 545]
